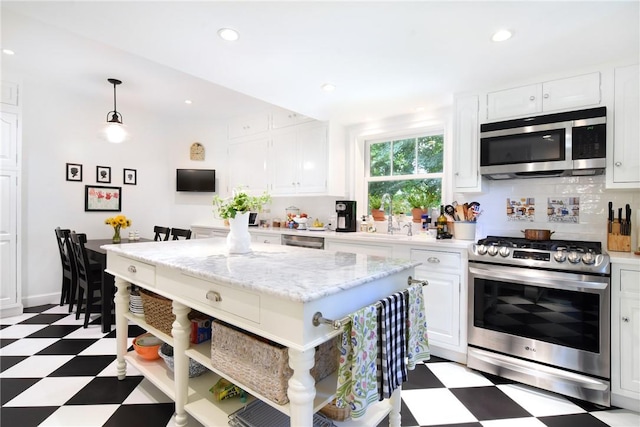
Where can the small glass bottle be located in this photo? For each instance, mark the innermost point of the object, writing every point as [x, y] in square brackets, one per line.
[441, 224]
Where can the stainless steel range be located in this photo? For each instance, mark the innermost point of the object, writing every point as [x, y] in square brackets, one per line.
[539, 313]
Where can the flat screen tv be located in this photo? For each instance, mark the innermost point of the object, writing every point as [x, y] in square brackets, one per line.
[201, 180]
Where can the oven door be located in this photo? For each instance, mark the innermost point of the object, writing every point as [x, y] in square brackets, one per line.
[555, 318]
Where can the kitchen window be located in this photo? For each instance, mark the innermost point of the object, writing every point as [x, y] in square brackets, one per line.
[399, 165]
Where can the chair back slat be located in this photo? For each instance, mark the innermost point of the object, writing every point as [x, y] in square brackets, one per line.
[64, 247]
[180, 232]
[82, 259]
[161, 233]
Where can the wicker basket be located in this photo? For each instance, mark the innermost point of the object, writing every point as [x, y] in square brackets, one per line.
[157, 311]
[261, 364]
[335, 413]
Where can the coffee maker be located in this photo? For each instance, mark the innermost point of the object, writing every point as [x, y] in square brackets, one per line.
[346, 210]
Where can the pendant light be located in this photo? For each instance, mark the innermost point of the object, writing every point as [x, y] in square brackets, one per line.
[114, 131]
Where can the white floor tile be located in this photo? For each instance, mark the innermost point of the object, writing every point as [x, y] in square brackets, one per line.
[112, 371]
[58, 309]
[442, 408]
[17, 319]
[454, 375]
[514, 422]
[191, 422]
[20, 331]
[540, 403]
[27, 346]
[54, 391]
[618, 417]
[36, 366]
[80, 416]
[146, 392]
[70, 319]
[93, 331]
[105, 346]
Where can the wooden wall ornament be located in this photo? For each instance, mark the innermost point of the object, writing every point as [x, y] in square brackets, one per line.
[197, 151]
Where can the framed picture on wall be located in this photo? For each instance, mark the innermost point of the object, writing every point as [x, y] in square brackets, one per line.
[130, 176]
[98, 198]
[103, 174]
[74, 172]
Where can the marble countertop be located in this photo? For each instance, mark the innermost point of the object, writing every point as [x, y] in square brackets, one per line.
[292, 273]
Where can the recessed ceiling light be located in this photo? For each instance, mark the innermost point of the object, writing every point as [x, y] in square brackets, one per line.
[8, 52]
[328, 87]
[187, 101]
[228, 34]
[501, 35]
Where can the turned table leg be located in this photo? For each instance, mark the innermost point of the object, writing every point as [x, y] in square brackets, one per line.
[396, 403]
[302, 387]
[121, 300]
[180, 332]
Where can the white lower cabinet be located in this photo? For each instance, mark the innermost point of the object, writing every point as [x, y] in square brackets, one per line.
[269, 238]
[625, 337]
[379, 249]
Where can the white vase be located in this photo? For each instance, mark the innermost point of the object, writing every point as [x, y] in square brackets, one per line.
[239, 239]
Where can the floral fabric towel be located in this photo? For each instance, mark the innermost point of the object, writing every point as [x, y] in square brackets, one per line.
[357, 371]
[417, 338]
[392, 368]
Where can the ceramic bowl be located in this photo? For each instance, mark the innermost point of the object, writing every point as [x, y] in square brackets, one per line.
[147, 345]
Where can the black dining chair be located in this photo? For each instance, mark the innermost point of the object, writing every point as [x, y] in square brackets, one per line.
[161, 233]
[69, 278]
[180, 232]
[89, 278]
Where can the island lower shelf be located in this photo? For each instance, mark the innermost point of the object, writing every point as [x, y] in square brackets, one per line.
[201, 404]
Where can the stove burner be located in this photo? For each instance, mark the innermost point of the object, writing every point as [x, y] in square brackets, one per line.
[544, 245]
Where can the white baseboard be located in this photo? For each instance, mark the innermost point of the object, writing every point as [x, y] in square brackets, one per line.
[13, 310]
[42, 299]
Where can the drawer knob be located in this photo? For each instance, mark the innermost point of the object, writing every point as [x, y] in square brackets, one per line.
[433, 260]
[214, 296]
[132, 269]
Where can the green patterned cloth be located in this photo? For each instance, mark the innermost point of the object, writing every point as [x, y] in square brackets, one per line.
[417, 338]
[357, 371]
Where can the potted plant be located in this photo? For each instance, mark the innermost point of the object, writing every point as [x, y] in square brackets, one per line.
[420, 202]
[236, 210]
[375, 203]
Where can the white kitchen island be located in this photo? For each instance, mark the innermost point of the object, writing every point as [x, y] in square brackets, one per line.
[273, 292]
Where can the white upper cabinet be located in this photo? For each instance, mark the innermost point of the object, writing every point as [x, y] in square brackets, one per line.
[466, 176]
[9, 145]
[248, 166]
[554, 95]
[9, 93]
[623, 170]
[249, 125]
[285, 118]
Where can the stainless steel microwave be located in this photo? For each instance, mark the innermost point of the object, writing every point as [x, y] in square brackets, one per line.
[561, 144]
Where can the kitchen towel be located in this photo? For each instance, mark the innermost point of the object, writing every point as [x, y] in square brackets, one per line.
[392, 323]
[417, 338]
[357, 371]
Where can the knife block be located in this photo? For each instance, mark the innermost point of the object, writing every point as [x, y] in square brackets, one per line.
[617, 242]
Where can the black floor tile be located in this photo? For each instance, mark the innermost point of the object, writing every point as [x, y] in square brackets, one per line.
[26, 417]
[54, 331]
[105, 390]
[421, 377]
[6, 341]
[67, 346]
[4, 326]
[573, 420]
[39, 308]
[8, 361]
[459, 425]
[406, 417]
[495, 379]
[82, 366]
[134, 331]
[155, 415]
[43, 319]
[436, 359]
[11, 387]
[489, 403]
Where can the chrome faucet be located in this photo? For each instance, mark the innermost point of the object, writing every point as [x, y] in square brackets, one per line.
[410, 232]
[386, 198]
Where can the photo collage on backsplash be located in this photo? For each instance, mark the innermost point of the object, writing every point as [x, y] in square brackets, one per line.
[559, 209]
[521, 209]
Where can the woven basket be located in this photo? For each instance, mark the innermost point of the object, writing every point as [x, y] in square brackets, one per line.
[261, 364]
[157, 311]
[335, 413]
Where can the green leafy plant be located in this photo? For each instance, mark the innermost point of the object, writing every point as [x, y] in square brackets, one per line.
[421, 199]
[375, 201]
[239, 202]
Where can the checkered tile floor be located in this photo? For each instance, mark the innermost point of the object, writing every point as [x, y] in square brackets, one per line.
[55, 373]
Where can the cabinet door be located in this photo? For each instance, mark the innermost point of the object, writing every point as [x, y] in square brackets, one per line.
[284, 118]
[442, 306]
[9, 93]
[630, 344]
[269, 238]
[312, 152]
[626, 131]
[9, 140]
[519, 101]
[359, 248]
[467, 145]
[283, 161]
[249, 125]
[8, 240]
[248, 166]
[573, 92]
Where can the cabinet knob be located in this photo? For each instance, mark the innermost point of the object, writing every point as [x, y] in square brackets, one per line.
[214, 296]
[433, 260]
[266, 241]
[532, 98]
[457, 173]
[618, 164]
[132, 269]
[546, 95]
[626, 319]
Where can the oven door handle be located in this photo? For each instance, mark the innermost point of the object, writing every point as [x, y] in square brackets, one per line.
[530, 277]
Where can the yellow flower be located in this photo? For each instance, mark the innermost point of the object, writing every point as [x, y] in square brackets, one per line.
[119, 221]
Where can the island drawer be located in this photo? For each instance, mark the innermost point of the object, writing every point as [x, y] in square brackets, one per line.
[437, 260]
[132, 270]
[203, 293]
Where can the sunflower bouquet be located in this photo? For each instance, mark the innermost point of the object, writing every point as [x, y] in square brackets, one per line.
[118, 222]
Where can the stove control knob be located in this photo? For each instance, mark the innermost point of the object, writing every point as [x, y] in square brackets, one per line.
[560, 256]
[493, 250]
[504, 252]
[574, 257]
[588, 258]
[482, 249]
